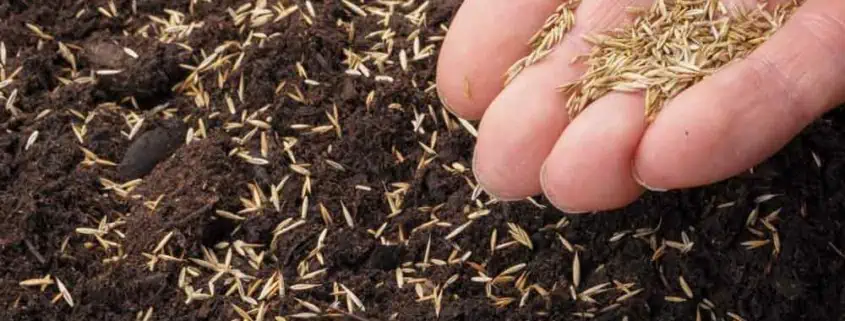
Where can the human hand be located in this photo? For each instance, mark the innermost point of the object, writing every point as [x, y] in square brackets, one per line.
[602, 159]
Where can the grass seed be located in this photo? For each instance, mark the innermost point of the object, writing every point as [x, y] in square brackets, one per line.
[668, 48]
[64, 292]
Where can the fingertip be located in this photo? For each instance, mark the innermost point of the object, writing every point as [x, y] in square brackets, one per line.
[664, 151]
[518, 132]
[552, 198]
[450, 96]
[568, 196]
[590, 167]
[502, 187]
[465, 113]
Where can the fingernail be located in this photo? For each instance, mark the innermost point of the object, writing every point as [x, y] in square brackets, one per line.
[643, 184]
[550, 198]
[443, 100]
[570, 211]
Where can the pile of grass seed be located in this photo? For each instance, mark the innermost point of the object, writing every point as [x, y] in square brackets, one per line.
[667, 49]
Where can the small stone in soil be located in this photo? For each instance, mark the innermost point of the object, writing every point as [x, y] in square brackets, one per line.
[106, 55]
[151, 148]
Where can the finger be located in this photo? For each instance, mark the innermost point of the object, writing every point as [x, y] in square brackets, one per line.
[526, 119]
[746, 112]
[590, 167]
[484, 40]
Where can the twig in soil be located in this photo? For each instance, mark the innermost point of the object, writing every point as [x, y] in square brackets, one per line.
[202, 210]
[34, 252]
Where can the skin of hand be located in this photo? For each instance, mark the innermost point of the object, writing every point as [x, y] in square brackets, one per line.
[606, 157]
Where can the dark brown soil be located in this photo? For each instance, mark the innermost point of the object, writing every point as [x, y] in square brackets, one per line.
[51, 189]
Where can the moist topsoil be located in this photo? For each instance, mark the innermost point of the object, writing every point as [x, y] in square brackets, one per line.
[760, 246]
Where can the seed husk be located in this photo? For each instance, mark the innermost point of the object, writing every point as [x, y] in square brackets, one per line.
[64, 292]
[576, 270]
[675, 299]
[629, 295]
